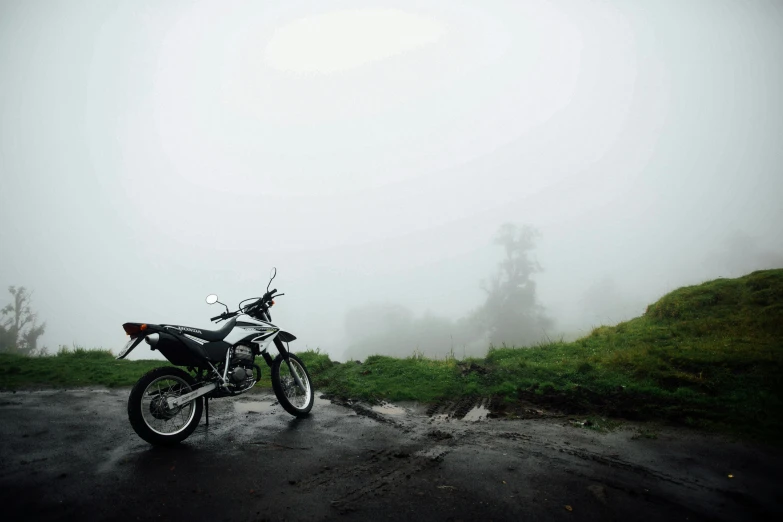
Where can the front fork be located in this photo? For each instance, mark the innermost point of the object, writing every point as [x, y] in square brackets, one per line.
[284, 355]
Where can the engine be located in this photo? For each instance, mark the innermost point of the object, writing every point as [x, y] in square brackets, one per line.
[240, 371]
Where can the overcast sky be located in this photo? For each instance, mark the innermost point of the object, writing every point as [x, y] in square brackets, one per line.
[154, 152]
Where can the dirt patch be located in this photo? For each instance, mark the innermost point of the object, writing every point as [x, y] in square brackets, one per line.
[389, 409]
[475, 409]
[383, 472]
[579, 400]
[439, 435]
[456, 409]
[468, 368]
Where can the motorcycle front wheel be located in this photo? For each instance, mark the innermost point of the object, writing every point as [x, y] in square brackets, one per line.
[149, 413]
[292, 398]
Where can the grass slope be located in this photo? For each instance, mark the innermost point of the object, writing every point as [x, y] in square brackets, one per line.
[77, 367]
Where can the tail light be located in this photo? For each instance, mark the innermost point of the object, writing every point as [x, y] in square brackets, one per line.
[133, 329]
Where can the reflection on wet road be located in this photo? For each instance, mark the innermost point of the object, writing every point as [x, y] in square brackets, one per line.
[73, 455]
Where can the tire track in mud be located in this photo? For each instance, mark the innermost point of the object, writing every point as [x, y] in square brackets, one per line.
[458, 409]
[386, 470]
[366, 411]
[611, 461]
[480, 408]
[558, 455]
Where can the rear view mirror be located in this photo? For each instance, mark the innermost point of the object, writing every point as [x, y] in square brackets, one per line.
[212, 299]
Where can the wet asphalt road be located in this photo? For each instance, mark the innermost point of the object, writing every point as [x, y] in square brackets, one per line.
[72, 455]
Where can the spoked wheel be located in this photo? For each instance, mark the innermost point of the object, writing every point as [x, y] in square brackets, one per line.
[148, 410]
[293, 399]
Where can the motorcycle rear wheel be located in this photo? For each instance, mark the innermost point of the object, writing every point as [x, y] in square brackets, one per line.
[149, 414]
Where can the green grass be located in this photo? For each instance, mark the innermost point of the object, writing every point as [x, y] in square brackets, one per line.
[381, 377]
[77, 367]
[709, 355]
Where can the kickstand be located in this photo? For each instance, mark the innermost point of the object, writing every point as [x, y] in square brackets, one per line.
[206, 407]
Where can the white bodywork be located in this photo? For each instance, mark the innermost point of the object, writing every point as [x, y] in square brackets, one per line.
[262, 327]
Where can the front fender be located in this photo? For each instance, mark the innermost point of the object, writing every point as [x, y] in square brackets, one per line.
[286, 337]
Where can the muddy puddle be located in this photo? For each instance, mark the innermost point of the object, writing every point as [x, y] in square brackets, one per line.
[389, 409]
[463, 410]
[477, 413]
[268, 406]
[255, 406]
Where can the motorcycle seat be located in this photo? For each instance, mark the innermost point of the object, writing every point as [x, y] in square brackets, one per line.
[210, 335]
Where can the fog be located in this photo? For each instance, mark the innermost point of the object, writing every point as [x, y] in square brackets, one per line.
[155, 152]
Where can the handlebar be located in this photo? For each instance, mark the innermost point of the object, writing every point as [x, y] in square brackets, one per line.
[225, 315]
[270, 295]
[260, 303]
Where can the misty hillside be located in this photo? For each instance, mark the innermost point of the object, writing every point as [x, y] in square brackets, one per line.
[371, 151]
[706, 353]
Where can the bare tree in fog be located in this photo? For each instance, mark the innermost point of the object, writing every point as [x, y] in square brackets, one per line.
[19, 329]
[511, 314]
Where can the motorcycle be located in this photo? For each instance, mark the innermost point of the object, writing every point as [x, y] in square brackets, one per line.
[166, 404]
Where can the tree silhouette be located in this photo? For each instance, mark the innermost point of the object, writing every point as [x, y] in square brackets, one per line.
[511, 313]
[19, 329]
